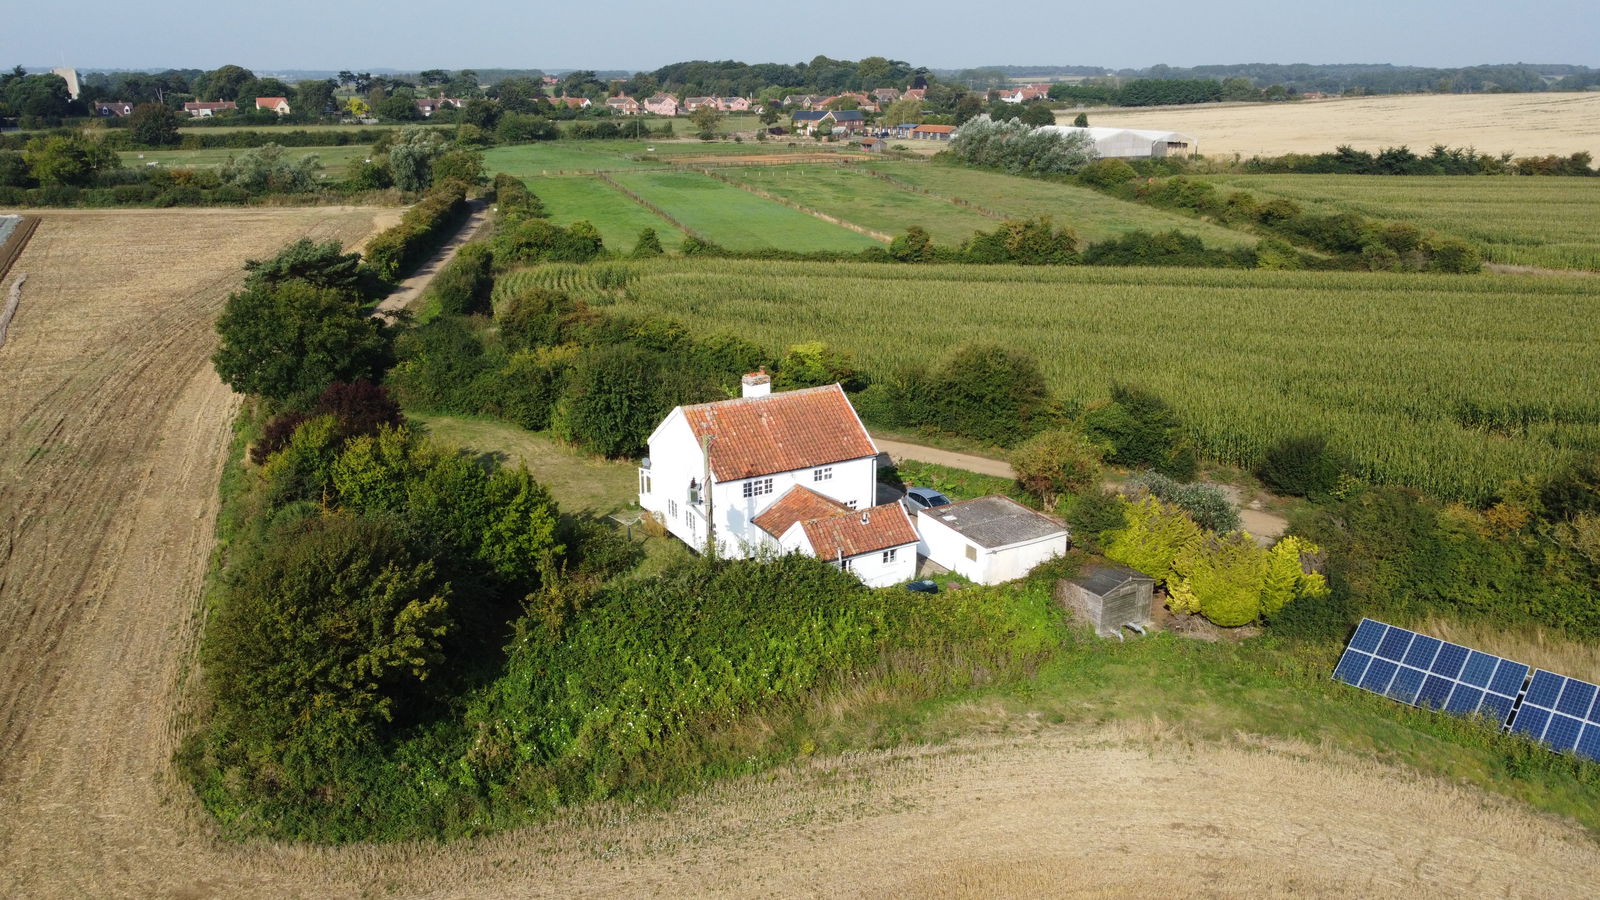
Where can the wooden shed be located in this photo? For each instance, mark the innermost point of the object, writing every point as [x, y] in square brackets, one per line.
[1109, 597]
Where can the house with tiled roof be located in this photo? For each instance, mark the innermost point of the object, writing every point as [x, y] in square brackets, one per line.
[811, 121]
[623, 105]
[279, 105]
[205, 109]
[776, 473]
[427, 106]
[118, 108]
[661, 104]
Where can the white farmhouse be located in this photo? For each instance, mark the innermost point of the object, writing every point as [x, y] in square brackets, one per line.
[778, 473]
[990, 539]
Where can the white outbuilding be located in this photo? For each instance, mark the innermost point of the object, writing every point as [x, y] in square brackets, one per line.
[1130, 143]
[990, 539]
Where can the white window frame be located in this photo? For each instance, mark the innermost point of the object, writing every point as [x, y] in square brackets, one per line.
[757, 487]
[852, 503]
[672, 510]
[846, 564]
[644, 482]
[890, 554]
[823, 474]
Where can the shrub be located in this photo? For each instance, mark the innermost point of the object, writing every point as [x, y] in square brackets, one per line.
[648, 245]
[1092, 514]
[535, 317]
[422, 228]
[814, 364]
[1302, 466]
[988, 392]
[463, 286]
[289, 341]
[1106, 173]
[1207, 504]
[1056, 462]
[1028, 242]
[1142, 432]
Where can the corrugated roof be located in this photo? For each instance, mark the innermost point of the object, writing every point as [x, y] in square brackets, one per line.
[995, 521]
[797, 505]
[780, 432]
[1102, 580]
[854, 533]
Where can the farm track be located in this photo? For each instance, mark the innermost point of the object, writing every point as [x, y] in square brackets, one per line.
[113, 431]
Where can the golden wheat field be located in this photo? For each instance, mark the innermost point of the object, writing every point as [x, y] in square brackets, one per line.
[1526, 124]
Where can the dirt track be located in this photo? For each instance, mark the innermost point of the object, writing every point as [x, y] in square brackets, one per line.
[112, 435]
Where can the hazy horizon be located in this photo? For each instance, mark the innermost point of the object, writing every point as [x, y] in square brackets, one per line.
[633, 36]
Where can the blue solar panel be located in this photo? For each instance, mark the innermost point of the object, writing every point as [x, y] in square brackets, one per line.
[1544, 690]
[1479, 669]
[1352, 667]
[1407, 682]
[1368, 635]
[1395, 643]
[1589, 743]
[1562, 732]
[1576, 698]
[1434, 691]
[1496, 707]
[1378, 676]
[1508, 679]
[1450, 660]
[1530, 721]
[1422, 651]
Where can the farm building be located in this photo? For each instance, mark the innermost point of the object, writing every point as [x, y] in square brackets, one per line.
[933, 132]
[1128, 143]
[1109, 597]
[990, 539]
[204, 109]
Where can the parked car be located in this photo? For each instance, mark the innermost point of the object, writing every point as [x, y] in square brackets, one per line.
[920, 498]
[924, 586]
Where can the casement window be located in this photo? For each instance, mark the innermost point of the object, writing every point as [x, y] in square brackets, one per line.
[644, 482]
[846, 564]
[823, 474]
[672, 510]
[890, 554]
[758, 487]
[972, 553]
[851, 503]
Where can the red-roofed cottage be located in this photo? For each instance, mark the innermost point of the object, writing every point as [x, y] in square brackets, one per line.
[792, 472]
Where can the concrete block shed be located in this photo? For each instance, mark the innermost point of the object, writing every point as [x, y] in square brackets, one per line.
[1109, 597]
[990, 539]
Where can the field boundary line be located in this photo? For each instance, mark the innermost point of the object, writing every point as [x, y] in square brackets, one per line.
[784, 201]
[652, 207]
[16, 242]
[13, 300]
[917, 189]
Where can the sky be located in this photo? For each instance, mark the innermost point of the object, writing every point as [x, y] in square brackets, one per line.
[634, 35]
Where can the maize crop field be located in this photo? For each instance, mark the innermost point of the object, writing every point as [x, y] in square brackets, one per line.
[1452, 385]
[1529, 221]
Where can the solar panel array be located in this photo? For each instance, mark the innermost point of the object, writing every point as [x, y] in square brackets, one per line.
[1424, 671]
[1562, 712]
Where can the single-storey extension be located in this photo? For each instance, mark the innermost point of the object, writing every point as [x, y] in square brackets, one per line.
[990, 539]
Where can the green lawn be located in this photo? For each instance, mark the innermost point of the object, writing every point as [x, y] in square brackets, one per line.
[558, 157]
[579, 483]
[619, 219]
[1547, 222]
[334, 159]
[860, 198]
[1095, 216]
[737, 219]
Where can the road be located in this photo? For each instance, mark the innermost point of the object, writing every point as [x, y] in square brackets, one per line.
[411, 289]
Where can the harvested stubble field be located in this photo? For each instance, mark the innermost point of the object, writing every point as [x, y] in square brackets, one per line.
[1526, 124]
[113, 430]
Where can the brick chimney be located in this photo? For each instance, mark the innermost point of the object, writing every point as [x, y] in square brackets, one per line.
[757, 384]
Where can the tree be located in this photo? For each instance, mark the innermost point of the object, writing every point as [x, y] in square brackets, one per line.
[223, 83]
[989, 392]
[322, 264]
[1037, 114]
[67, 159]
[771, 113]
[1082, 121]
[266, 168]
[705, 120]
[519, 539]
[814, 364]
[904, 110]
[1056, 462]
[411, 158]
[154, 125]
[321, 635]
[613, 399]
[1142, 431]
[315, 98]
[916, 245]
[648, 245]
[289, 341]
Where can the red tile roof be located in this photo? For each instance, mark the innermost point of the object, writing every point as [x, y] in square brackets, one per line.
[270, 102]
[780, 432]
[935, 129]
[797, 505]
[854, 533]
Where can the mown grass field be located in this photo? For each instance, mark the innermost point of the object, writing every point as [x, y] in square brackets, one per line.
[1093, 215]
[737, 219]
[618, 218]
[334, 159]
[859, 198]
[1450, 384]
[1545, 222]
